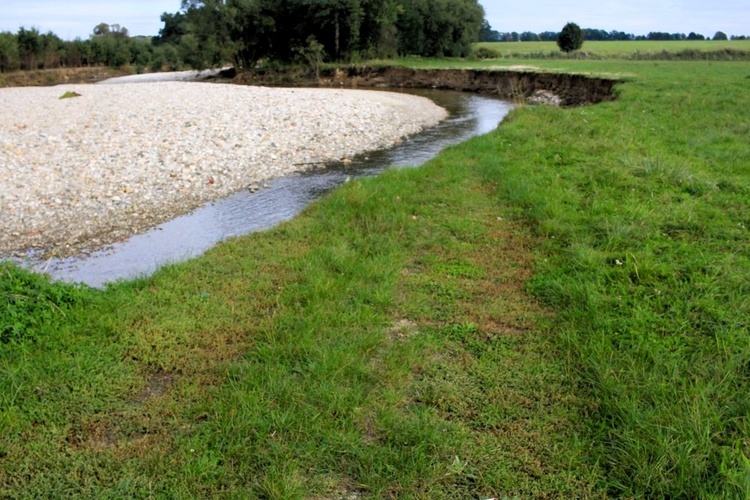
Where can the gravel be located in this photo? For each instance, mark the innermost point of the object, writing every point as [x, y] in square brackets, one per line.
[81, 172]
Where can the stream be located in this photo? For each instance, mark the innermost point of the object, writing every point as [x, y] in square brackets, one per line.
[244, 212]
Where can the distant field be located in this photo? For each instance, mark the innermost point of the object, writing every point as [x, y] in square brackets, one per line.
[617, 49]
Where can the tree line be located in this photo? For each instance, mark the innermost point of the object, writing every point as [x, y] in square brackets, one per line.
[487, 34]
[210, 33]
[109, 45]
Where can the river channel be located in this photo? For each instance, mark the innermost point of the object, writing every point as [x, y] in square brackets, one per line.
[281, 199]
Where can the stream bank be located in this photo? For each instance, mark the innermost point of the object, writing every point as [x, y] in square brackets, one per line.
[512, 84]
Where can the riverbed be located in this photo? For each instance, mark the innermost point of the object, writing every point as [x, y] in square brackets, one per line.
[278, 200]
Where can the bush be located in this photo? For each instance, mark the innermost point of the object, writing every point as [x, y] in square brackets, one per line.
[485, 53]
[570, 38]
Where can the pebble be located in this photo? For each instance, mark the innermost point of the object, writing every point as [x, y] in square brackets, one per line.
[86, 171]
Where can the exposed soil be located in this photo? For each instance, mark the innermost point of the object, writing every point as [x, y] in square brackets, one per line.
[513, 83]
[573, 90]
[48, 77]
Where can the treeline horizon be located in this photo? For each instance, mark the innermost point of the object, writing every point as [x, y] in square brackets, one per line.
[487, 34]
[210, 33]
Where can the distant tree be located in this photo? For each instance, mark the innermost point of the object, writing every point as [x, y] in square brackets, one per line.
[174, 27]
[548, 36]
[118, 31]
[621, 35]
[720, 35]
[595, 34]
[487, 34]
[695, 36]
[101, 29]
[78, 53]
[9, 57]
[30, 48]
[570, 38]
[53, 51]
[658, 35]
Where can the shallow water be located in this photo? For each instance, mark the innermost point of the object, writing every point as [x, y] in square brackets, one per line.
[244, 212]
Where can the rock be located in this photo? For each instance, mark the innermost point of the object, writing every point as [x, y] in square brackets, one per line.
[545, 97]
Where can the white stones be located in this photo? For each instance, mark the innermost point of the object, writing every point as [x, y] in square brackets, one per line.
[70, 167]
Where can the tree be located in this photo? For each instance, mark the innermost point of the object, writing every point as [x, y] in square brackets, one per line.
[439, 28]
[9, 57]
[30, 48]
[174, 27]
[487, 34]
[211, 32]
[548, 36]
[379, 36]
[101, 29]
[570, 38]
[720, 35]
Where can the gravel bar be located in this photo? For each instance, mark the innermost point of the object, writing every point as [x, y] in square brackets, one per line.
[81, 172]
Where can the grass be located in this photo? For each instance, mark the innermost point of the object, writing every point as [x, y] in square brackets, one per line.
[634, 50]
[556, 309]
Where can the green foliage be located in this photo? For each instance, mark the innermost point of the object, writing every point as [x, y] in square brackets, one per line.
[30, 303]
[485, 53]
[438, 28]
[313, 54]
[10, 58]
[69, 95]
[245, 32]
[213, 33]
[570, 38]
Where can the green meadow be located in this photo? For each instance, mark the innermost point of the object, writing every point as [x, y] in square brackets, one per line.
[636, 49]
[557, 309]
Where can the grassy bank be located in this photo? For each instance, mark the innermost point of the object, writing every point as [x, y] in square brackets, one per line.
[556, 309]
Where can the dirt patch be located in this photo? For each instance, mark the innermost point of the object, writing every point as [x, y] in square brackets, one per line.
[157, 386]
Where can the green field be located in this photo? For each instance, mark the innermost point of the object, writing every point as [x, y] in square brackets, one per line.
[557, 309]
[616, 49]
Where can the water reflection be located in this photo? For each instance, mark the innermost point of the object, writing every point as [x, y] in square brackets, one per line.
[244, 212]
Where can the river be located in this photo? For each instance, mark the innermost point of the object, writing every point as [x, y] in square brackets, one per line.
[244, 212]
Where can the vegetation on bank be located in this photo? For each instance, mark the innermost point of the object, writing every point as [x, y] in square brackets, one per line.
[556, 309]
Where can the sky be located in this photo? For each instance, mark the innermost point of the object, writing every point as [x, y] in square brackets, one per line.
[76, 18]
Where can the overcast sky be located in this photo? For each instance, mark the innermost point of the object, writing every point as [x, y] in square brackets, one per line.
[76, 18]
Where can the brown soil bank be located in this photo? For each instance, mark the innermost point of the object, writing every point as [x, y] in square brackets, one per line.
[48, 77]
[573, 90]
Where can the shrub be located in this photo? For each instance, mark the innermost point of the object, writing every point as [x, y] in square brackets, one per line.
[485, 53]
[570, 38]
